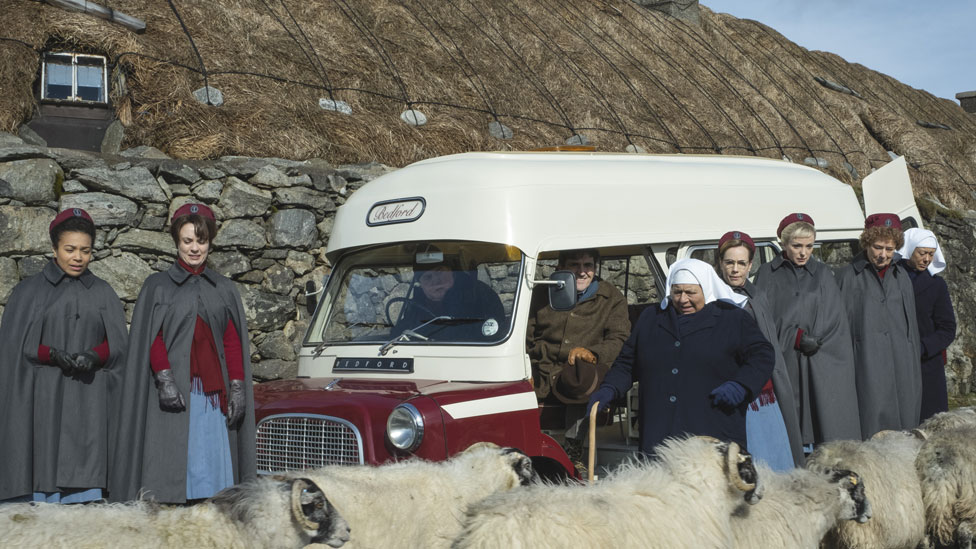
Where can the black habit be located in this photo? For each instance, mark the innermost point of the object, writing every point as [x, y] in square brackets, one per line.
[679, 362]
[937, 328]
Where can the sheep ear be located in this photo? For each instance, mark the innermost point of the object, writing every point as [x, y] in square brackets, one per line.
[304, 492]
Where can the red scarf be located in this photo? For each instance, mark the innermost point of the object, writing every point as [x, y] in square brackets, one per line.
[766, 397]
[204, 360]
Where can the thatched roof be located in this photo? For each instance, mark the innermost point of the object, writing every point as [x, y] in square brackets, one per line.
[610, 70]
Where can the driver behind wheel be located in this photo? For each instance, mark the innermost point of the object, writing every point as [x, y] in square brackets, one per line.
[442, 289]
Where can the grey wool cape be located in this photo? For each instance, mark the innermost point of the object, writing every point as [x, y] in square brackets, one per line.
[758, 306]
[823, 384]
[887, 350]
[151, 460]
[56, 429]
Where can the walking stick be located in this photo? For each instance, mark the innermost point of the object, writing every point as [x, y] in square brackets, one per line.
[592, 457]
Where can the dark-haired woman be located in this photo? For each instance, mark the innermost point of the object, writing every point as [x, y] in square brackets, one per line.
[814, 335]
[62, 343]
[187, 429]
[772, 425]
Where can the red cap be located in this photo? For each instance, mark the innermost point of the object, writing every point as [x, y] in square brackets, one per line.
[738, 235]
[67, 214]
[193, 208]
[883, 220]
[791, 219]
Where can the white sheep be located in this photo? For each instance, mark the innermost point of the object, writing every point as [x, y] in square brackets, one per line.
[946, 466]
[886, 464]
[965, 415]
[683, 498]
[799, 507]
[264, 513]
[418, 503]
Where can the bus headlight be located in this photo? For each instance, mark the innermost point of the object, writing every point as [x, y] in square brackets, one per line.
[405, 427]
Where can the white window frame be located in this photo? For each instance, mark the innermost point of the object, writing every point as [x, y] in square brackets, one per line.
[74, 76]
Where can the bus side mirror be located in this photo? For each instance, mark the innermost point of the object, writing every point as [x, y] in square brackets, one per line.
[562, 291]
[311, 297]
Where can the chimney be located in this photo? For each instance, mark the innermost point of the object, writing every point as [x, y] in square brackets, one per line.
[967, 100]
[686, 10]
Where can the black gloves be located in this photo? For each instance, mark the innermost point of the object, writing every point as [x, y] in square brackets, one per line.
[729, 394]
[62, 360]
[235, 402]
[170, 398]
[809, 344]
[87, 362]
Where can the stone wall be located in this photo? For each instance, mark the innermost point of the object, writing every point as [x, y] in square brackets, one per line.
[274, 217]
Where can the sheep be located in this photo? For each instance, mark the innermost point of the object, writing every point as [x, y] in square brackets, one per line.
[946, 467]
[886, 464]
[418, 503]
[941, 421]
[683, 498]
[263, 513]
[799, 507]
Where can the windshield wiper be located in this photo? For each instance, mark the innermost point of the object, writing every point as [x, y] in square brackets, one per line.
[407, 335]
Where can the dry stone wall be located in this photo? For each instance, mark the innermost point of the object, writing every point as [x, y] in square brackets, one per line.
[274, 217]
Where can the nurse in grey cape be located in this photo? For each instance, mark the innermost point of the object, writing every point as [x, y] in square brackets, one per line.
[814, 335]
[187, 426]
[772, 425]
[880, 303]
[62, 345]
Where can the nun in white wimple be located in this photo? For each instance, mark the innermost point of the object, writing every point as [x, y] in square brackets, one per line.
[923, 259]
[700, 359]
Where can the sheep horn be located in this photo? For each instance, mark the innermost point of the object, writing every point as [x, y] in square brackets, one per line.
[297, 489]
[734, 458]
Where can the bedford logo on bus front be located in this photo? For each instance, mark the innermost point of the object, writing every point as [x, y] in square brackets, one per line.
[401, 210]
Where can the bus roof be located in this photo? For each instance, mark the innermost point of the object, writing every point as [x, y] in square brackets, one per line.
[540, 201]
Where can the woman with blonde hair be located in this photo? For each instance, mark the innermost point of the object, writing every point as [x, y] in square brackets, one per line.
[813, 334]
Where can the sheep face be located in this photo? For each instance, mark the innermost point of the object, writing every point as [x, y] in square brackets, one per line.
[522, 465]
[855, 502]
[318, 518]
[742, 471]
[265, 505]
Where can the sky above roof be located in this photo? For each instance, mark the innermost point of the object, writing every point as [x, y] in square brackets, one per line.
[927, 45]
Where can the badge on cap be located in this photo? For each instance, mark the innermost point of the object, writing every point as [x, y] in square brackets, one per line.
[194, 209]
[799, 216]
[887, 222]
[76, 212]
[737, 235]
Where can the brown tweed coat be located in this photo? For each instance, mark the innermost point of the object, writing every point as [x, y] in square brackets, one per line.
[600, 324]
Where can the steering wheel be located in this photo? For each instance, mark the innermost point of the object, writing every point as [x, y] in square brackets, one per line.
[389, 317]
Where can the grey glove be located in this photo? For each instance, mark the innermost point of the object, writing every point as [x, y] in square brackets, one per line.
[170, 398]
[62, 360]
[235, 402]
[809, 344]
[87, 362]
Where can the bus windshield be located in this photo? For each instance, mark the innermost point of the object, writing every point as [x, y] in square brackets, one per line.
[427, 293]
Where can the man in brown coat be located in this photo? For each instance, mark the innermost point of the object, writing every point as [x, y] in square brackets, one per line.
[571, 351]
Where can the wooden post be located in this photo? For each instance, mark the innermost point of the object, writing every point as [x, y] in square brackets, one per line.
[100, 11]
